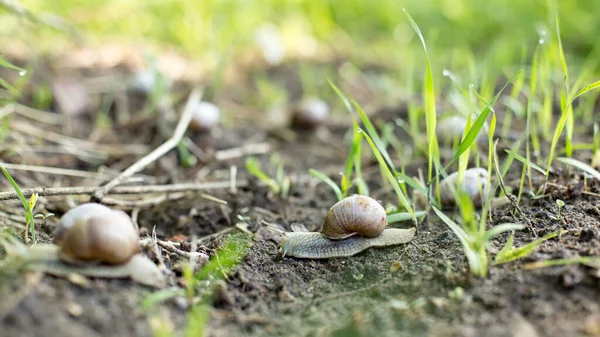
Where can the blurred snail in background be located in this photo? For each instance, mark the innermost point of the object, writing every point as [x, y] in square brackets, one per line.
[474, 183]
[352, 225]
[91, 240]
[310, 113]
[206, 117]
[450, 129]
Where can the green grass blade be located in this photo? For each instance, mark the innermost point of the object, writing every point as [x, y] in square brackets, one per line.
[592, 261]
[562, 121]
[374, 136]
[475, 262]
[580, 165]
[403, 216]
[321, 176]
[341, 95]
[586, 89]
[508, 246]
[525, 161]
[501, 228]
[478, 124]
[430, 114]
[24, 202]
[391, 178]
[511, 254]
[253, 167]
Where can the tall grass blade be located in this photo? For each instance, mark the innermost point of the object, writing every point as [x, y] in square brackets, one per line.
[430, 114]
[321, 176]
[580, 165]
[509, 254]
[391, 178]
[478, 124]
[28, 211]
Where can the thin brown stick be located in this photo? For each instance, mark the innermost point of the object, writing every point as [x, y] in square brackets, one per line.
[245, 150]
[120, 149]
[82, 190]
[58, 171]
[167, 146]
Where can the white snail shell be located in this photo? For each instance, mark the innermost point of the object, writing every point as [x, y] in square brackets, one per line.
[355, 215]
[206, 117]
[474, 183]
[93, 232]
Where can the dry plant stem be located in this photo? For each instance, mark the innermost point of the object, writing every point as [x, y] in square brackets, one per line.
[513, 200]
[120, 150]
[167, 146]
[198, 152]
[170, 246]
[38, 115]
[58, 171]
[82, 190]
[246, 150]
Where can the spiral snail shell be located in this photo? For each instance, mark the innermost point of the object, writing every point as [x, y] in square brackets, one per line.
[355, 215]
[352, 225]
[93, 232]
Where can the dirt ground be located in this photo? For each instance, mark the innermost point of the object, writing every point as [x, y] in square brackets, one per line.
[419, 289]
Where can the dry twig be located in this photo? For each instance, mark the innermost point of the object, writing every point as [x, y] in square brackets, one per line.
[167, 146]
[82, 190]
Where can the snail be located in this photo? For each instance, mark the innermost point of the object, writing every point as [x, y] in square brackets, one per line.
[352, 225]
[451, 128]
[310, 114]
[146, 81]
[95, 233]
[474, 183]
[206, 117]
[91, 240]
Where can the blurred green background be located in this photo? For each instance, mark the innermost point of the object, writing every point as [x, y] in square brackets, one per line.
[361, 30]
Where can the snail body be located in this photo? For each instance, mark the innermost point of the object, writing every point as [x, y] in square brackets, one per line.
[352, 225]
[314, 245]
[46, 258]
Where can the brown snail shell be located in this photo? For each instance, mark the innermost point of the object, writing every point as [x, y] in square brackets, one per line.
[95, 233]
[355, 215]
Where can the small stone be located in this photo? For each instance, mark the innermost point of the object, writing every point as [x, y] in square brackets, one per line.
[79, 280]
[285, 296]
[74, 309]
[395, 267]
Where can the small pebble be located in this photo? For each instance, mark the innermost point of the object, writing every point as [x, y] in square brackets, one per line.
[74, 309]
